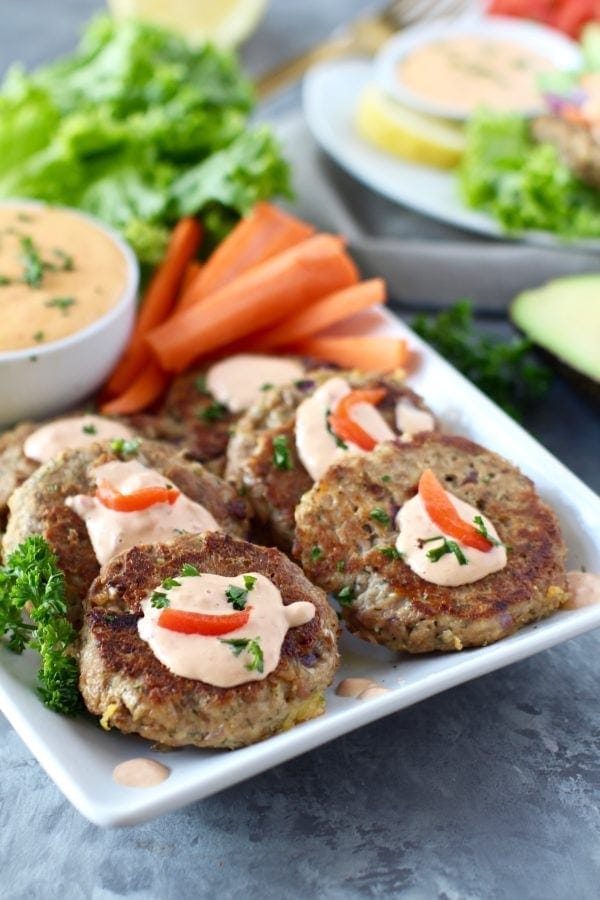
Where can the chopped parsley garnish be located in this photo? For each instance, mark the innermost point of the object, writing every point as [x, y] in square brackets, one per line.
[341, 565]
[316, 553]
[339, 442]
[187, 570]
[90, 429]
[169, 583]
[200, 383]
[66, 260]
[62, 303]
[281, 454]
[4, 280]
[266, 386]
[31, 577]
[481, 528]
[386, 478]
[345, 597]
[446, 547]
[214, 412]
[126, 446]
[252, 647]
[33, 267]
[391, 552]
[158, 598]
[379, 515]
[39, 336]
[238, 596]
[503, 370]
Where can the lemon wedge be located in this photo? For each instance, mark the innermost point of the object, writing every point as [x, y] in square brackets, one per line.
[406, 133]
[225, 22]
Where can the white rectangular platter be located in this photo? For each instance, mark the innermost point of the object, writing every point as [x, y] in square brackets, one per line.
[80, 757]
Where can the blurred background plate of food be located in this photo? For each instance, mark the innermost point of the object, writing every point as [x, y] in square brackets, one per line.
[451, 69]
[488, 123]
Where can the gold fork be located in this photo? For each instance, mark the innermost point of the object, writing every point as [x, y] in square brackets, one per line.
[363, 37]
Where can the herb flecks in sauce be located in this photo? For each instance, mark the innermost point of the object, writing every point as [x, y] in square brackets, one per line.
[61, 303]
[33, 266]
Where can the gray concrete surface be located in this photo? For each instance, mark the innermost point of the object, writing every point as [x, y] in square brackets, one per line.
[491, 790]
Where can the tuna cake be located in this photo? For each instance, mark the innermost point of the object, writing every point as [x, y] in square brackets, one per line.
[244, 685]
[24, 447]
[287, 440]
[202, 406]
[93, 502]
[364, 534]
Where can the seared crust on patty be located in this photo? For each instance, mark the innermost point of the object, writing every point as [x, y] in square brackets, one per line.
[394, 606]
[124, 682]
[15, 467]
[190, 415]
[38, 506]
[275, 492]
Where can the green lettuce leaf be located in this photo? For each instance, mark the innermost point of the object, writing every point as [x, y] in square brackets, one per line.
[524, 185]
[138, 128]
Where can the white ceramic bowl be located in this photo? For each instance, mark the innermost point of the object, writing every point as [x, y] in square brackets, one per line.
[49, 378]
[547, 42]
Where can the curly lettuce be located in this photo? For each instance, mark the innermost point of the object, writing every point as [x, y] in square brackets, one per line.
[138, 128]
[524, 185]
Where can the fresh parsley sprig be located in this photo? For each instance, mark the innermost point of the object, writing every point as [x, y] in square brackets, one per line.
[504, 370]
[31, 578]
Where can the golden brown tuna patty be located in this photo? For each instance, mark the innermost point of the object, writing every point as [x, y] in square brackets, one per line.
[16, 467]
[274, 492]
[190, 415]
[38, 506]
[387, 603]
[123, 681]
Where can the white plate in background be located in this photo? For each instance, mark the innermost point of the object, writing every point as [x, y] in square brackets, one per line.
[330, 94]
[80, 757]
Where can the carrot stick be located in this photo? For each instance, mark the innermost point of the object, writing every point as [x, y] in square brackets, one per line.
[373, 354]
[328, 311]
[255, 300]
[147, 387]
[157, 304]
[192, 270]
[266, 232]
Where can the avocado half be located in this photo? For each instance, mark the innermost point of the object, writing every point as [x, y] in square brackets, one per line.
[563, 317]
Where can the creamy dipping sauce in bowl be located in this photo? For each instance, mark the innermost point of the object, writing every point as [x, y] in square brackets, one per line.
[59, 272]
[451, 70]
[68, 287]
